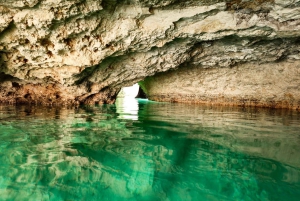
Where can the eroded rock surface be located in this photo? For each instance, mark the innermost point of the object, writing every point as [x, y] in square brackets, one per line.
[84, 51]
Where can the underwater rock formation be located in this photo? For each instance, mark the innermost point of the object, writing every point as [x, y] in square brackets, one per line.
[84, 51]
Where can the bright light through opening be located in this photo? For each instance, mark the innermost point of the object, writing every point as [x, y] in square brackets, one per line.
[126, 104]
[129, 91]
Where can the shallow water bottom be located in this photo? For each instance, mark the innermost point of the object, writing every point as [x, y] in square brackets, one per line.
[143, 150]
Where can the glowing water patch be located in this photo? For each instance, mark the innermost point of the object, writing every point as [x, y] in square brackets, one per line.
[127, 108]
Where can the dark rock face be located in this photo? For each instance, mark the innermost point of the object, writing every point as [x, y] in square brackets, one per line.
[85, 51]
[141, 93]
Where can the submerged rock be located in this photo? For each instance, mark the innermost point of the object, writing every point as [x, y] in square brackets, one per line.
[85, 51]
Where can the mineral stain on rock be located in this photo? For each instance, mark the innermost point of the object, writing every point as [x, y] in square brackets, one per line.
[235, 52]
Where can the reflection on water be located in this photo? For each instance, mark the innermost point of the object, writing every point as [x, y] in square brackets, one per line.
[142, 150]
[127, 108]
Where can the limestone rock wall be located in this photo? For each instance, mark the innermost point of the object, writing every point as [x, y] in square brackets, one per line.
[84, 51]
[275, 85]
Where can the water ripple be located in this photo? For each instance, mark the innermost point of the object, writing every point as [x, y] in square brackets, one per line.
[142, 150]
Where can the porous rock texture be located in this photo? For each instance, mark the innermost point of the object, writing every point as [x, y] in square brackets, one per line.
[84, 51]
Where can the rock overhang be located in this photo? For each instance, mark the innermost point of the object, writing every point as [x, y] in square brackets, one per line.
[86, 50]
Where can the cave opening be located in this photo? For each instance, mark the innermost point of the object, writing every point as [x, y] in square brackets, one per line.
[127, 102]
[134, 91]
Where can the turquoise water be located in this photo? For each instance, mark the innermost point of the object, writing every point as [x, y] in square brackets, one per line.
[142, 150]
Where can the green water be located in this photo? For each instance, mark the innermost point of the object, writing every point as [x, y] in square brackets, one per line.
[141, 150]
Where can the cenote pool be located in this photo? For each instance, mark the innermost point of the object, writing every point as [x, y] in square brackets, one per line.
[143, 150]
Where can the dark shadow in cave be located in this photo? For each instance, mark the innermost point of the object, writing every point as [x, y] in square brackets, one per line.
[141, 93]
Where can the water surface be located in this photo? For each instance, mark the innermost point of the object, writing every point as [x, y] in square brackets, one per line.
[142, 150]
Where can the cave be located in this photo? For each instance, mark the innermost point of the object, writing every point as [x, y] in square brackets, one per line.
[212, 52]
[214, 113]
